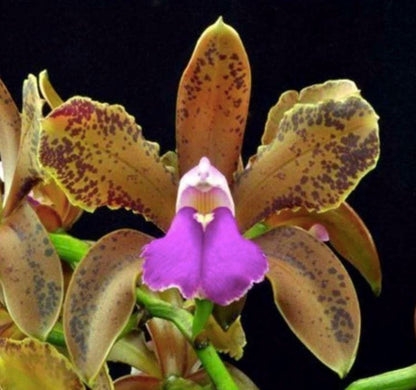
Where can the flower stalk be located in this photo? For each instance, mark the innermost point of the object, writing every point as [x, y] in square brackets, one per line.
[184, 322]
[401, 379]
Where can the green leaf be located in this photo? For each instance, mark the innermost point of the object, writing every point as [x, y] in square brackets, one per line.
[315, 295]
[213, 100]
[100, 299]
[32, 365]
[30, 273]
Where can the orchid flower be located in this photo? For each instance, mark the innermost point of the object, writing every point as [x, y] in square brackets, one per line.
[317, 146]
[168, 357]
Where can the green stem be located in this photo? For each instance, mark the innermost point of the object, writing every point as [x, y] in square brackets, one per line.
[70, 249]
[56, 335]
[183, 320]
[401, 379]
[202, 312]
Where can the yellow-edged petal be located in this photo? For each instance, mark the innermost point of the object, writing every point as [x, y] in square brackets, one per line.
[97, 154]
[318, 157]
[33, 365]
[213, 100]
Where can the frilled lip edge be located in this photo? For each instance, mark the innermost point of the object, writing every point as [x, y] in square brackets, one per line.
[214, 263]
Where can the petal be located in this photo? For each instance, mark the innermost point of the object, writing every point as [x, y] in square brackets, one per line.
[218, 264]
[231, 263]
[97, 154]
[332, 89]
[133, 350]
[8, 328]
[48, 91]
[30, 273]
[137, 382]
[51, 196]
[347, 233]
[320, 154]
[226, 315]
[103, 381]
[204, 188]
[232, 341]
[28, 172]
[174, 260]
[32, 365]
[242, 380]
[100, 299]
[315, 295]
[10, 125]
[212, 102]
[174, 353]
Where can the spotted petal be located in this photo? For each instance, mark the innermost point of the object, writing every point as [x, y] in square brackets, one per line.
[347, 233]
[30, 273]
[217, 264]
[97, 154]
[32, 365]
[320, 154]
[100, 299]
[27, 170]
[315, 295]
[213, 101]
[332, 89]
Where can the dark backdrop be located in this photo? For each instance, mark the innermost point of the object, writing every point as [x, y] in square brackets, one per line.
[133, 53]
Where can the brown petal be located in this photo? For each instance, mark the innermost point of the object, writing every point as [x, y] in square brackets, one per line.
[348, 234]
[137, 382]
[30, 272]
[242, 380]
[173, 351]
[103, 381]
[213, 100]
[318, 157]
[133, 350]
[28, 172]
[314, 294]
[10, 125]
[100, 299]
[97, 154]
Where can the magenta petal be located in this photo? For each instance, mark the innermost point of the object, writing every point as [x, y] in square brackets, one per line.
[175, 260]
[231, 263]
[217, 264]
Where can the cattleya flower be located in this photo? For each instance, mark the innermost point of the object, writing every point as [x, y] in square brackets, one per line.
[168, 358]
[317, 146]
[203, 253]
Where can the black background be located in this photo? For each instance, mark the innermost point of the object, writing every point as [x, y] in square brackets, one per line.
[133, 53]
